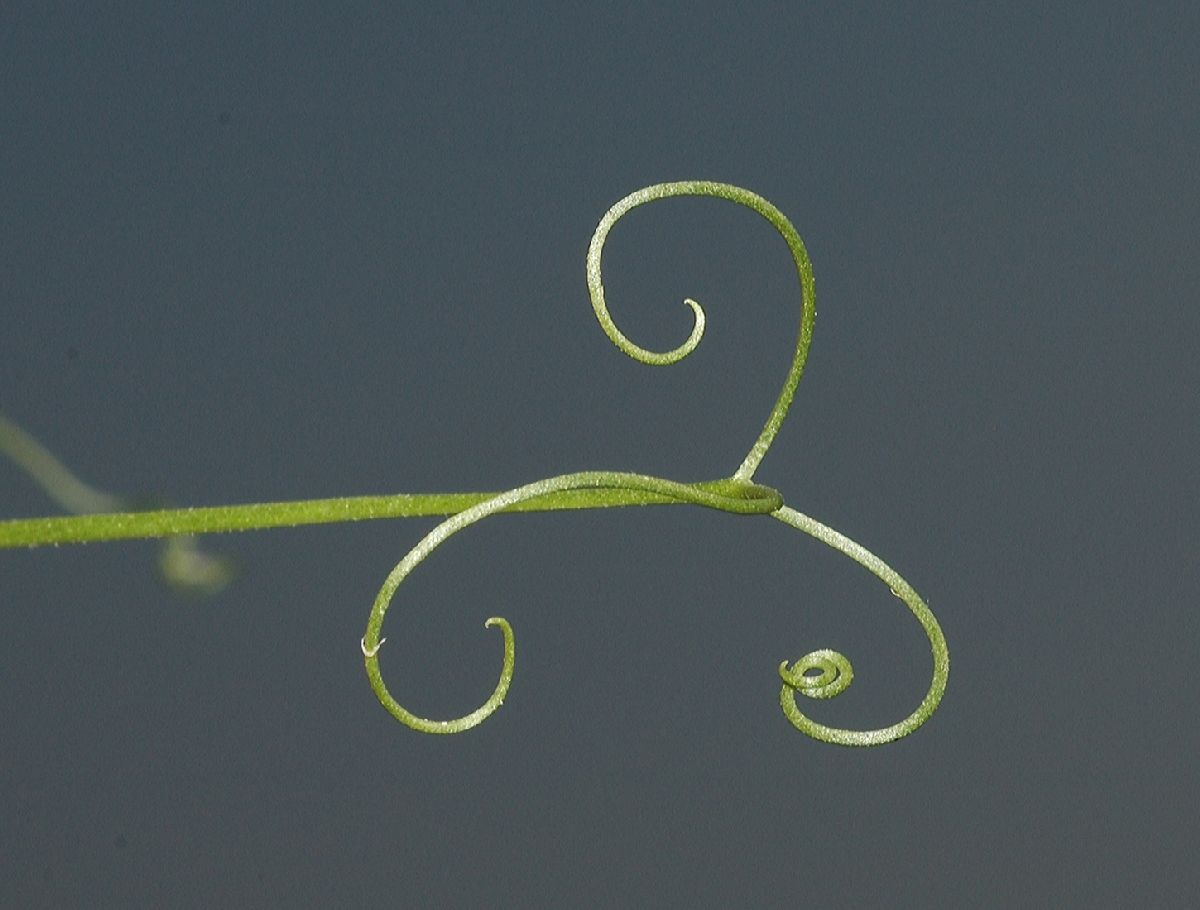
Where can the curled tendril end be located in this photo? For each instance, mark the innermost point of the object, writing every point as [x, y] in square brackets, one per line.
[458, 724]
[834, 676]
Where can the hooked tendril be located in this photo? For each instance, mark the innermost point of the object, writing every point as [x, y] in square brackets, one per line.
[820, 674]
[795, 245]
[756, 500]
[836, 672]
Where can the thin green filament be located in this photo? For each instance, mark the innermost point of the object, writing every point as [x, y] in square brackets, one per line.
[808, 294]
[820, 674]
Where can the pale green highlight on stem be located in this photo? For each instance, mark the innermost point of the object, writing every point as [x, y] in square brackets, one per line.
[585, 490]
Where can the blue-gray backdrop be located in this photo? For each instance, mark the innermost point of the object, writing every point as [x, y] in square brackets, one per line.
[277, 251]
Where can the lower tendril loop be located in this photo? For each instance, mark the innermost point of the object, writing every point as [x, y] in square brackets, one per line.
[835, 671]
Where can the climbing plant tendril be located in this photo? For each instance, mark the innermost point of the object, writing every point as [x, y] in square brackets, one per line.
[820, 674]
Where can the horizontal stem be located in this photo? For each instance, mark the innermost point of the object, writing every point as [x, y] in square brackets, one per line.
[33, 532]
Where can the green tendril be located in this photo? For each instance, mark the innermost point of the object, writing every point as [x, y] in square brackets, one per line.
[757, 500]
[808, 310]
[835, 670]
[820, 674]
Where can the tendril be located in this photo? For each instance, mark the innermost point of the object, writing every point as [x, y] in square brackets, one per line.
[820, 674]
[835, 671]
[799, 254]
[741, 498]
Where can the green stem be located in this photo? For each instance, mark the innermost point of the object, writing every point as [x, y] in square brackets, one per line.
[35, 532]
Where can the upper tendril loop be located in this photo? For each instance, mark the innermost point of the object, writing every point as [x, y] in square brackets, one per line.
[807, 296]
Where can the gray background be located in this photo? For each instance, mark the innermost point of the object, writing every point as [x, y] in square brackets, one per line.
[296, 251]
